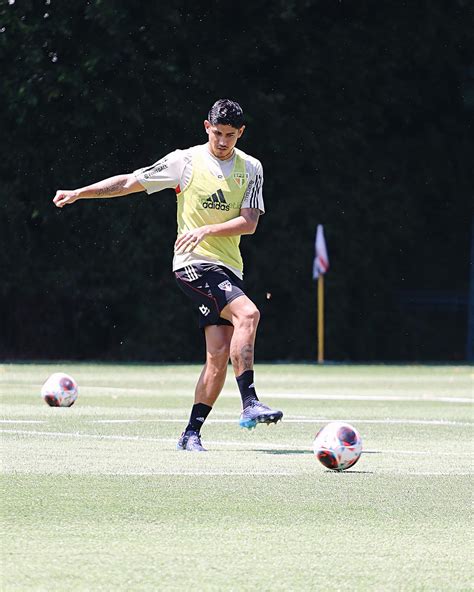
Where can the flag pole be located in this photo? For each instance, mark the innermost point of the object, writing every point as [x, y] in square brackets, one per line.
[320, 318]
[320, 266]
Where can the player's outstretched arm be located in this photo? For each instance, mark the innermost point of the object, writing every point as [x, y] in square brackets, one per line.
[111, 187]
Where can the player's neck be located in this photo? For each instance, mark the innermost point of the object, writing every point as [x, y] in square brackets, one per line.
[231, 155]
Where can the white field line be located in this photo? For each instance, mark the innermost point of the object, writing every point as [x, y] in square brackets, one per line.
[434, 422]
[252, 445]
[349, 397]
[154, 390]
[156, 381]
[389, 379]
[152, 420]
[82, 435]
[138, 438]
[119, 437]
[23, 421]
[268, 393]
[321, 397]
[197, 473]
[418, 453]
[422, 474]
[420, 398]
[287, 474]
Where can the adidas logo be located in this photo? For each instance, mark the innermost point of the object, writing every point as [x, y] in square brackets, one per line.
[216, 202]
[201, 419]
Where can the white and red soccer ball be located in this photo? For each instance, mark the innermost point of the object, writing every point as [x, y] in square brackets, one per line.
[338, 446]
[60, 390]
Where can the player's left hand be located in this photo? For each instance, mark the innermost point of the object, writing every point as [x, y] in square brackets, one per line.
[189, 240]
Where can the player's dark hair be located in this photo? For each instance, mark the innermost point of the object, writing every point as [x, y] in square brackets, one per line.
[226, 112]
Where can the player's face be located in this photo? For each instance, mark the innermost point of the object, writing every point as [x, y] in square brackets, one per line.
[222, 138]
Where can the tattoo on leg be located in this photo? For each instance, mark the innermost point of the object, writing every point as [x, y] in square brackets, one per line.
[246, 357]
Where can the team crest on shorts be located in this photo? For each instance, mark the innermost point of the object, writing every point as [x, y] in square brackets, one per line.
[239, 178]
[226, 286]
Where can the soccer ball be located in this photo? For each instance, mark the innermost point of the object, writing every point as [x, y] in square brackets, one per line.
[60, 390]
[338, 445]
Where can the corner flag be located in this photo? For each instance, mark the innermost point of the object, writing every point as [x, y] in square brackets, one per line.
[321, 260]
[320, 266]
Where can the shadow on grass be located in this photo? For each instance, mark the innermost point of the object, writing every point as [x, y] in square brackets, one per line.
[349, 472]
[280, 451]
[284, 451]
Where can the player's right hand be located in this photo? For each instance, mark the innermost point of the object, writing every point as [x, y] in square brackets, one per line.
[64, 197]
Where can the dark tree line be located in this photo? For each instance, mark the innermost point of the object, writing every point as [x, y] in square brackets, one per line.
[361, 113]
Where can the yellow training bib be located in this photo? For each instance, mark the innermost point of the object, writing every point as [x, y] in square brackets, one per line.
[208, 199]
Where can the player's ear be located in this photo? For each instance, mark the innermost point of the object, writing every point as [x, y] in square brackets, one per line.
[241, 131]
[207, 126]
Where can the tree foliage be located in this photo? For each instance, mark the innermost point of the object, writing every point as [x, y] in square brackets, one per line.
[357, 111]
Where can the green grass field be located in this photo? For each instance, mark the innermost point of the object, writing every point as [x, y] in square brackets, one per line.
[95, 497]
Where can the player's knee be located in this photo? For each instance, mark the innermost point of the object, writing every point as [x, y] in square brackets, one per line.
[249, 315]
[255, 316]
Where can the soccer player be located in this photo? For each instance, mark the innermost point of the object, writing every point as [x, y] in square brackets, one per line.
[219, 198]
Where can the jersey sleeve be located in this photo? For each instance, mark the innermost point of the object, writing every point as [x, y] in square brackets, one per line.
[253, 197]
[166, 173]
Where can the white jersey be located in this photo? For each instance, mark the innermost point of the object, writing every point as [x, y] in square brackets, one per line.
[175, 170]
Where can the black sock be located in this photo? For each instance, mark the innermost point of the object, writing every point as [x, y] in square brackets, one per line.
[247, 388]
[199, 412]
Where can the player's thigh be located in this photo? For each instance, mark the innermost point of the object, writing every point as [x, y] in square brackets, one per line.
[218, 338]
[239, 309]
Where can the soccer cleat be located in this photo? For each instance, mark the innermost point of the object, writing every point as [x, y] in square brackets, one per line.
[181, 445]
[256, 412]
[190, 441]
